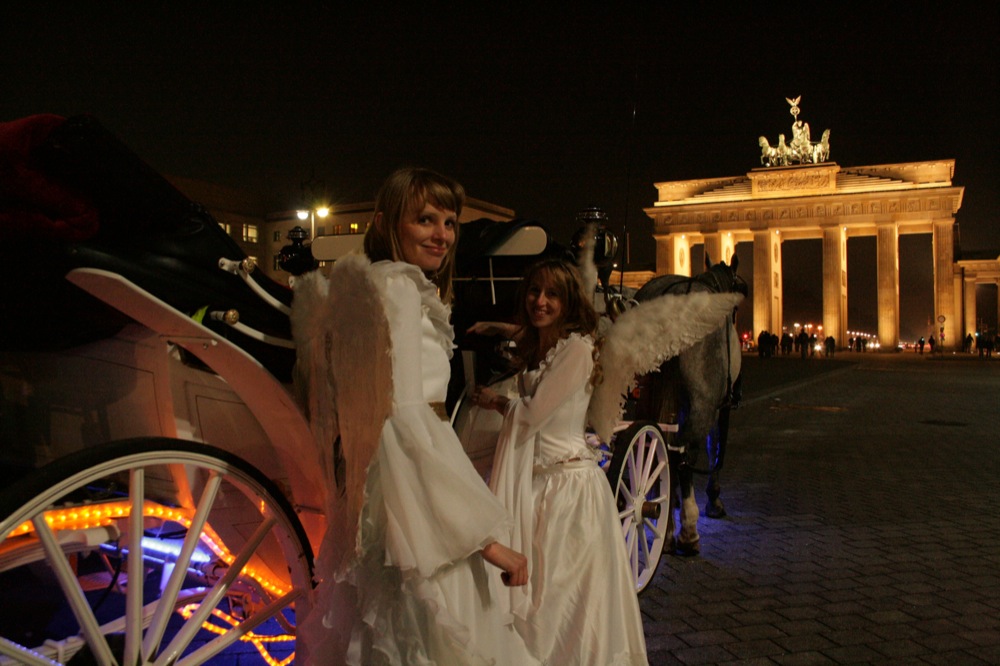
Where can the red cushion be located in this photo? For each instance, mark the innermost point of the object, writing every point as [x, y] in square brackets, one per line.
[32, 205]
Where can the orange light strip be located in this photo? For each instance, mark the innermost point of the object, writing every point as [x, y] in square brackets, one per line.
[105, 513]
[258, 640]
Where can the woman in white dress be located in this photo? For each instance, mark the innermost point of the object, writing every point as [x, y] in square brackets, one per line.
[404, 573]
[579, 606]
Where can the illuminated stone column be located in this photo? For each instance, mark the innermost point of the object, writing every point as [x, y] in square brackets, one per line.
[835, 283]
[720, 246]
[727, 243]
[664, 254]
[969, 297]
[713, 248]
[888, 285]
[944, 293]
[767, 302]
[673, 255]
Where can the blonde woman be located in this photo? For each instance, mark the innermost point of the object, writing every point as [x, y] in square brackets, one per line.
[411, 564]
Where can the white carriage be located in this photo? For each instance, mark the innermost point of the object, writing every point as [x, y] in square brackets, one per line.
[161, 498]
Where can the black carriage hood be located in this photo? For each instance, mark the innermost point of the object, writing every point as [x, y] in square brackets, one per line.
[73, 195]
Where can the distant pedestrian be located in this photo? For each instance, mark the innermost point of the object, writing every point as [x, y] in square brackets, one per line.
[762, 341]
[931, 342]
[831, 345]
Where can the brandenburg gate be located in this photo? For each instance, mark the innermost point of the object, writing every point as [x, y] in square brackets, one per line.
[798, 194]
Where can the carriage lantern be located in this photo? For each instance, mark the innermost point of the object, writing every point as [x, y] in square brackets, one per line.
[296, 258]
[606, 244]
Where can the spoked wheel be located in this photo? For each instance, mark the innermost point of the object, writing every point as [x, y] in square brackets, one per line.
[640, 478]
[158, 551]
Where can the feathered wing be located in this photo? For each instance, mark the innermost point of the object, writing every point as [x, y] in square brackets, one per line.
[310, 317]
[344, 359]
[645, 336]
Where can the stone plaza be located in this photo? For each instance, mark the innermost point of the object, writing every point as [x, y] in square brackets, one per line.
[863, 526]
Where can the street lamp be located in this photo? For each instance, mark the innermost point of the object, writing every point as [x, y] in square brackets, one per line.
[311, 215]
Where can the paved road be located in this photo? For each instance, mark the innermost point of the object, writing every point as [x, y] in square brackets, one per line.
[863, 522]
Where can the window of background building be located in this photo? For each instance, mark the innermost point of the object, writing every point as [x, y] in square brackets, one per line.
[277, 259]
[354, 227]
[250, 233]
[277, 236]
[225, 227]
[320, 231]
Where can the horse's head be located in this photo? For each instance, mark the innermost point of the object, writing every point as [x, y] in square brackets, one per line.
[723, 277]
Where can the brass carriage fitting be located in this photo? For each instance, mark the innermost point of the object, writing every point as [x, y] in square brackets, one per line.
[248, 265]
[231, 317]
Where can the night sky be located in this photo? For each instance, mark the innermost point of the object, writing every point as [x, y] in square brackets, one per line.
[540, 110]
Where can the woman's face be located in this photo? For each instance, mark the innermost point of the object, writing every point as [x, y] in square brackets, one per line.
[543, 303]
[425, 236]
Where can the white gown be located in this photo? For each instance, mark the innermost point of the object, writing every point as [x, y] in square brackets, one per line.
[416, 589]
[580, 606]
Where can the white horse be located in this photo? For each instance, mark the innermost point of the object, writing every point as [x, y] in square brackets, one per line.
[699, 390]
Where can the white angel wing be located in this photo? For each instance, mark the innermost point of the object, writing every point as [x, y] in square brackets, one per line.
[344, 361]
[310, 317]
[643, 338]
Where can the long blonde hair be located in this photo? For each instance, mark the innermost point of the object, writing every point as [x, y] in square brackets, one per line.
[404, 191]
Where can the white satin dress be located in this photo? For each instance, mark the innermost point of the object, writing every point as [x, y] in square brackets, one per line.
[580, 606]
[417, 590]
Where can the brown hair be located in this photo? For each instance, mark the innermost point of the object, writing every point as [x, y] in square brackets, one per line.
[404, 191]
[578, 314]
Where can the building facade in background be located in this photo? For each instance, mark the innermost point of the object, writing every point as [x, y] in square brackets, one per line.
[261, 233]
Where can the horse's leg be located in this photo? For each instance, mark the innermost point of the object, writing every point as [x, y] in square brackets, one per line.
[674, 502]
[714, 508]
[688, 539]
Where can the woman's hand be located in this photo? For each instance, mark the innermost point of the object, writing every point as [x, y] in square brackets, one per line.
[513, 564]
[487, 398]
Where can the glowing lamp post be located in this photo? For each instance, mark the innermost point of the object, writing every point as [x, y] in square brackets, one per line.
[311, 215]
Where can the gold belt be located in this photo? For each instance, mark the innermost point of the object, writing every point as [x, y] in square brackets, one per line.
[440, 410]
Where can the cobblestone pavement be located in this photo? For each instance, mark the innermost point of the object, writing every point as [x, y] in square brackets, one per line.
[863, 521]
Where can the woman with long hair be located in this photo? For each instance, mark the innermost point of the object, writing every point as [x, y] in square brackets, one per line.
[579, 606]
[411, 562]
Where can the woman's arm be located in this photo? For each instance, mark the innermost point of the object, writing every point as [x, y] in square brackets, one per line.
[569, 370]
[506, 329]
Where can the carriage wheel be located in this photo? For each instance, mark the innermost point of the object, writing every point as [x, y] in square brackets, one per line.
[223, 559]
[640, 478]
